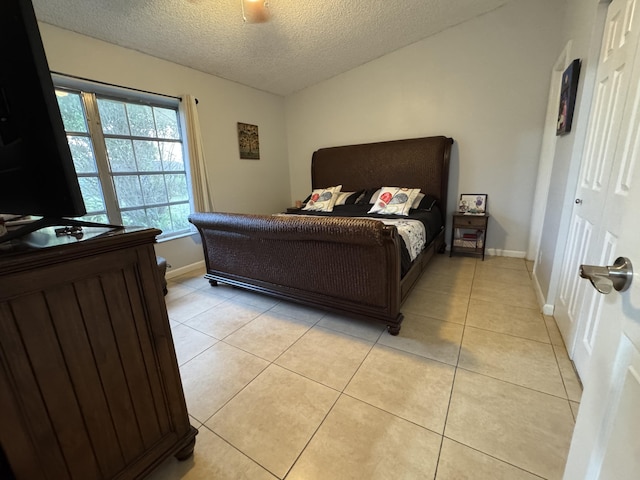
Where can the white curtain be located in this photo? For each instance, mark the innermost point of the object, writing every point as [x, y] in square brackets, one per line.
[202, 199]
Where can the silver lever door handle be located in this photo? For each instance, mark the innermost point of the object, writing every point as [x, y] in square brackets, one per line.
[605, 279]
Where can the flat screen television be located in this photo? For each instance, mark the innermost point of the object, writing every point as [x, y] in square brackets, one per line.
[37, 174]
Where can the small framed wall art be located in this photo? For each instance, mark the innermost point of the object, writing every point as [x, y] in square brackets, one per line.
[568, 92]
[473, 203]
[248, 141]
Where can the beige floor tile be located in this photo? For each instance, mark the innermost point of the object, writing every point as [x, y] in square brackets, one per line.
[517, 321]
[366, 330]
[575, 406]
[458, 263]
[176, 290]
[446, 281]
[572, 383]
[554, 332]
[298, 311]
[505, 293]
[195, 422]
[223, 289]
[525, 428]
[427, 337]
[274, 417]
[188, 306]
[212, 378]
[224, 319]
[450, 308]
[517, 360]
[393, 449]
[257, 300]
[189, 342]
[459, 462]
[269, 335]
[488, 272]
[501, 430]
[409, 386]
[194, 279]
[504, 262]
[213, 458]
[326, 356]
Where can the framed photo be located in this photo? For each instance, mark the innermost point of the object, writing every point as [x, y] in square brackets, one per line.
[473, 203]
[248, 141]
[568, 92]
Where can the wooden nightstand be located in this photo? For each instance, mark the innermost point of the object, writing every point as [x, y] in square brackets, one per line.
[468, 234]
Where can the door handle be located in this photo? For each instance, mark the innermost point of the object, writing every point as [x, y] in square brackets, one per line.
[605, 279]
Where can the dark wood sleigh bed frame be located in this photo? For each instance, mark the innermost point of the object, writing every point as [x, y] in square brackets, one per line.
[349, 266]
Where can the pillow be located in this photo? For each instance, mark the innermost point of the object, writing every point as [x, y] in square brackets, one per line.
[427, 202]
[353, 199]
[394, 200]
[343, 198]
[374, 196]
[416, 202]
[367, 196]
[323, 199]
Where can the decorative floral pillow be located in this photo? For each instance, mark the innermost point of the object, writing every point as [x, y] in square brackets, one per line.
[323, 199]
[394, 200]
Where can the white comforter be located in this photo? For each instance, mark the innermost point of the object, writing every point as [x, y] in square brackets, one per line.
[412, 232]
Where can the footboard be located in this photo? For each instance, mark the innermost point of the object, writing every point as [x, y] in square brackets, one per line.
[345, 265]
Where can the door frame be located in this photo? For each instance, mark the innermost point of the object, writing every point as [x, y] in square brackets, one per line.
[545, 168]
[574, 150]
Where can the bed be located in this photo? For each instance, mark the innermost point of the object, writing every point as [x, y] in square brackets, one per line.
[348, 265]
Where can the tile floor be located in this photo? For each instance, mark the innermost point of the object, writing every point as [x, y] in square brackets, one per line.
[477, 385]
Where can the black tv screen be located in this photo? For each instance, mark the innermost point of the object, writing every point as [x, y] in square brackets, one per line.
[37, 174]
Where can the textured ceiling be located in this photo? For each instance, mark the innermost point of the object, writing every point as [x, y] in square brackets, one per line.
[303, 43]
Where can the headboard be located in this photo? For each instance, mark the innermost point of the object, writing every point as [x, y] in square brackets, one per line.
[415, 163]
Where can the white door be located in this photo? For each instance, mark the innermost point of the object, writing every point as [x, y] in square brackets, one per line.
[619, 44]
[605, 442]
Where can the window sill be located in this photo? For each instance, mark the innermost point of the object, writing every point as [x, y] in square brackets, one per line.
[162, 239]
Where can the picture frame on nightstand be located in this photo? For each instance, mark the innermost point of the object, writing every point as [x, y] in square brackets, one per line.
[473, 204]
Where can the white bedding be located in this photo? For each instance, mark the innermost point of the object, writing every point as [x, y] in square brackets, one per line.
[412, 232]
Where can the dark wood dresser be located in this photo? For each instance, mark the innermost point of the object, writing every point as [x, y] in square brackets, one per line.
[89, 382]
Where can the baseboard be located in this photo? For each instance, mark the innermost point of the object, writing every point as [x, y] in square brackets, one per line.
[176, 272]
[498, 252]
[546, 308]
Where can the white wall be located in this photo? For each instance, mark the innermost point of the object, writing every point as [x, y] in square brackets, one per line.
[247, 186]
[484, 83]
[582, 25]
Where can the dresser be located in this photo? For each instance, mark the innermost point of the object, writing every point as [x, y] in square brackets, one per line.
[89, 382]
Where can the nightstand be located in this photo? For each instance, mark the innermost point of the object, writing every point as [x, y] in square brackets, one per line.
[468, 234]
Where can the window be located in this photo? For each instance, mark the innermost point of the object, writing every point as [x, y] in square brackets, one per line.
[129, 159]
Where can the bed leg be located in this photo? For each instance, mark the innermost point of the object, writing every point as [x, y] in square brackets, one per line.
[213, 283]
[393, 329]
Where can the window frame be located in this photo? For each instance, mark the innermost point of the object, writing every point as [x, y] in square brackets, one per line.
[90, 92]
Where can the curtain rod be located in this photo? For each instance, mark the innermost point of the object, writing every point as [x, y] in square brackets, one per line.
[118, 86]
